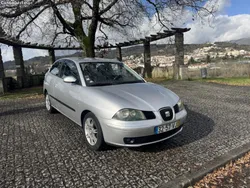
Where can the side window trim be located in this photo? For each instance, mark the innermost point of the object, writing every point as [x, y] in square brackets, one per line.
[58, 67]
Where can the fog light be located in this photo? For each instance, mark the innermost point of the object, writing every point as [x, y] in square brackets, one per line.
[129, 140]
[132, 141]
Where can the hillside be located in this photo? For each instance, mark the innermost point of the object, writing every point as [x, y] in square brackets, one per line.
[156, 49]
[242, 41]
[134, 50]
[39, 61]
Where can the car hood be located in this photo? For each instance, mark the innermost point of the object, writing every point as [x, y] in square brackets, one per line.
[142, 96]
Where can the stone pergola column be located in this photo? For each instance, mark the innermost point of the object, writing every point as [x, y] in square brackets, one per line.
[179, 54]
[147, 60]
[119, 53]
[52, 56]
[2, 75]
[20, 73]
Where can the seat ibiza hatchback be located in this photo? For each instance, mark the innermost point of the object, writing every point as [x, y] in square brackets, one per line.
[112, 103]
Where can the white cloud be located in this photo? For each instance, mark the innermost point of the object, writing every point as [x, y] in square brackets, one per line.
[29, 53]
[6, 52]
[223, 28]
[218, 5]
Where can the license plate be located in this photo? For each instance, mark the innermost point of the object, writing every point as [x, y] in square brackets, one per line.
[167, 127]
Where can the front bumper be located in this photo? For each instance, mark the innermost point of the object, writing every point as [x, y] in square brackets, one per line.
[116, 132]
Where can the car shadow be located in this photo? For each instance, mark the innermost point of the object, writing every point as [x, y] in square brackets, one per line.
[196, 127]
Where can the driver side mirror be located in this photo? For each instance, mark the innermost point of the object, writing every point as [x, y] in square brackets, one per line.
[69, 79]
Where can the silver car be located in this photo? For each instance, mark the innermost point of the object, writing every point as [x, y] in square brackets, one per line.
[112, 103]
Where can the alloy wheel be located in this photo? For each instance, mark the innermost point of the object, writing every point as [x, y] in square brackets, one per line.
[91, 131]
[47, 102]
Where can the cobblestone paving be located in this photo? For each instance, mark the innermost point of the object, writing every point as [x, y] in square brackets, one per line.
[38, 149]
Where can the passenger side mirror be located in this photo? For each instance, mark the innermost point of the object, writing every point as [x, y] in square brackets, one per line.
[69, 79]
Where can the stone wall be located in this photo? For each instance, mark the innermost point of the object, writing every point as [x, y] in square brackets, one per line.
[1, 87]
[11, 83]
[162, 72]
[227, 71]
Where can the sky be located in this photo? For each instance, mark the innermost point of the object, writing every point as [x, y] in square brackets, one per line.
[230, 22]
[238, 7]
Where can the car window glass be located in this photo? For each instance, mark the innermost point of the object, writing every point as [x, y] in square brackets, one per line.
[69, 69]
[55, 69]
[108, 73]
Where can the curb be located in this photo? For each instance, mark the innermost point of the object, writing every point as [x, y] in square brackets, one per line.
[192, 177]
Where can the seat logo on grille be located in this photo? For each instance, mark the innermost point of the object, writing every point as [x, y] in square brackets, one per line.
[167, 114]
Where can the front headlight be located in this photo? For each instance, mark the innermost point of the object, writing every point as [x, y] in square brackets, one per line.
[129, 115]
[180, 105]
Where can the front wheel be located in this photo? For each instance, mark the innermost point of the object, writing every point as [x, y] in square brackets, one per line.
[49, 108]
[93, 132]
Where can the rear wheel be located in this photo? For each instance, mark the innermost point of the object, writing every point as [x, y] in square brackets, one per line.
[49, 108]
[93, 132]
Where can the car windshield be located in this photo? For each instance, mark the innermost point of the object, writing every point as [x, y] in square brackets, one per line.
[108, 73]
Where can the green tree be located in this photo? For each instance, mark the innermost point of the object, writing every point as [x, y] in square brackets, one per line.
[208, 59]
[225, 57]
[191, 61]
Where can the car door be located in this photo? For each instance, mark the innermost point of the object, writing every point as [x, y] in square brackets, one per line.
[50, 80]
[68, 93]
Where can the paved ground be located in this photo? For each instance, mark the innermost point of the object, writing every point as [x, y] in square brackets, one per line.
[42, 150]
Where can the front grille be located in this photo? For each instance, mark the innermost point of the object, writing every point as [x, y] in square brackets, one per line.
[166, 113]
[151, 138]
[149, 114]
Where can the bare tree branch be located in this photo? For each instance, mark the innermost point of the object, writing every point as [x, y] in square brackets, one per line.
[30, 21]
[86, 3]
[62, 20]
[108, 7]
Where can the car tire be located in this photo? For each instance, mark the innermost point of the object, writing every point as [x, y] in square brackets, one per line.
[48, 105]
[93, 132]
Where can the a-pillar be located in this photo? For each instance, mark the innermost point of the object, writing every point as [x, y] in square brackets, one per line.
[20, 73]
[147, 60]
[179, 55]
[2, 75]
[119, 53]
[52, 56]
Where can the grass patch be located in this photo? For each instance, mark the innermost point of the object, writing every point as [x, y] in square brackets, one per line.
[241, 81]
[23, 93]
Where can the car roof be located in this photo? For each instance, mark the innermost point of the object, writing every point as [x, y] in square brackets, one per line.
[89, 60]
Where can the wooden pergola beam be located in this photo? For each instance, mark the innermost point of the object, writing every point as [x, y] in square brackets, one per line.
[181, 30]
[6, 39]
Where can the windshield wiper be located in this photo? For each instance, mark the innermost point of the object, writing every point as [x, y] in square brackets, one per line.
[116, 83]
[131, 82]
[101, 84]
